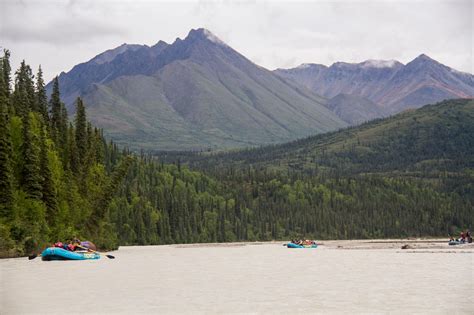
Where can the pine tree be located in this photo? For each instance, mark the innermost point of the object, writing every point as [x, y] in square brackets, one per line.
[72, 149]
[30, 175]
[6, 176]
[109, 191]
[41, 98]
[21, 101]
[55, 104]
[63, 134]
[6, 70]
[30, 89]
[59, 123]
[81, 131]
[48, 190]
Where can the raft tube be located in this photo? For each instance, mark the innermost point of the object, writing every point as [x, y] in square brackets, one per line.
[56, 253]
[293, 245]
[456, 243]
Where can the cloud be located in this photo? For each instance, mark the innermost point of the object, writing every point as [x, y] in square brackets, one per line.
[55, 22]
[61, 34]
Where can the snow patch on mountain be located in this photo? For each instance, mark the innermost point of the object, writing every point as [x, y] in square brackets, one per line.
[373, 63]
[304, 66]
[213, 38]
[110, 54]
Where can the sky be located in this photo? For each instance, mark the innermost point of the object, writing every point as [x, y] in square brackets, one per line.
[59, 34]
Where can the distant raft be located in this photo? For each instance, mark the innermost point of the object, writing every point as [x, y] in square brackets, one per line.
[293, 245]
[56, 253]
[456, 242]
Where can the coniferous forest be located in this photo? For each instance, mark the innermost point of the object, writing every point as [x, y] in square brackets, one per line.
[408, 175]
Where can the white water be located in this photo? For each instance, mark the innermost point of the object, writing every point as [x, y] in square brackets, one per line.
[242, 279]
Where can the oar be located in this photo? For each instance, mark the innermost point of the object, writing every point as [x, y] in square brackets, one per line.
[32, 256]
[91, 250]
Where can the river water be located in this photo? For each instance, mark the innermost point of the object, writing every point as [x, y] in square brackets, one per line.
[265, 278]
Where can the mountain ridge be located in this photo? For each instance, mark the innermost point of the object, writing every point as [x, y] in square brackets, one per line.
[391, 84]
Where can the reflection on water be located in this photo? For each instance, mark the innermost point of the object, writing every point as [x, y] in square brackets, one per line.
[242, 279]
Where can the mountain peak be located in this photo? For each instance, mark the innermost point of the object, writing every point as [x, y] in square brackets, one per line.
[424, 61]
[204, 34]
[160, 43]
[424, 58]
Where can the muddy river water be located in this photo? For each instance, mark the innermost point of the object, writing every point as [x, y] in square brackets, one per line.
[243, 278]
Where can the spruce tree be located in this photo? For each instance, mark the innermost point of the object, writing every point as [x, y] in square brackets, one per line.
[81, 131]
[6, 171]
[110, 189]
[63, 134]
[72, 149]
[48, 190]
[6, 70]
[30, 89]
[30, 175]
[21, 101]
[41, 98]
[55, 104]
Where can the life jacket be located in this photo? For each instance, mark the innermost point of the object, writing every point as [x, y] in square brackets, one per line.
[68, 247]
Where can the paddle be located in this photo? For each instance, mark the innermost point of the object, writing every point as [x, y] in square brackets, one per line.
[91, 250]
[32, 256]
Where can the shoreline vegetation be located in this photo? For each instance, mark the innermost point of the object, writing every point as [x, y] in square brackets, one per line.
[60, 178]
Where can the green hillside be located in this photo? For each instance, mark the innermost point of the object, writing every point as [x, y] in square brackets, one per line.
[435, 138]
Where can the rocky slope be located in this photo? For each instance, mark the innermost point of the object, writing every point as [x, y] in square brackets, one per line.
[195, 93]
[389, 83]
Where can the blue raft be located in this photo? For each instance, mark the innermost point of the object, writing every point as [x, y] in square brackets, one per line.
[56, 253]
[293, 245]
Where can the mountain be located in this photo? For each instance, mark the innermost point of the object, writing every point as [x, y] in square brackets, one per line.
[388, 83]
[195, 93]
[355, 109]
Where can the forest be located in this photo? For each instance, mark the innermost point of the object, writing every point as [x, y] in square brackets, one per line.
[404, 176]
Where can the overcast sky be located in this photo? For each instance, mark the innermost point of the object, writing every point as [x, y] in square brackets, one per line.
[274, 34]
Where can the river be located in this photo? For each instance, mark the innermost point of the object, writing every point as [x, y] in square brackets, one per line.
[239, 278]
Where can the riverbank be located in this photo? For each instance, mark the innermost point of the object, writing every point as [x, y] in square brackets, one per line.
[409, 244]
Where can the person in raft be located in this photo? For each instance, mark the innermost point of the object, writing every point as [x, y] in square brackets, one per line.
[70, 247]
[76, 244]
[468, 236]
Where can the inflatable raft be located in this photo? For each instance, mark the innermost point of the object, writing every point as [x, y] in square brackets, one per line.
[293, 245]
[56, 253]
